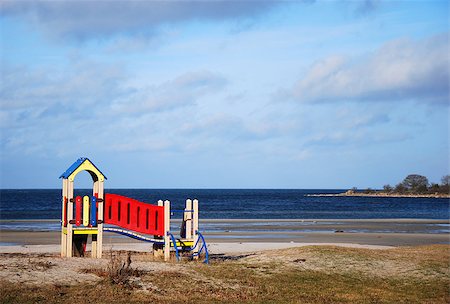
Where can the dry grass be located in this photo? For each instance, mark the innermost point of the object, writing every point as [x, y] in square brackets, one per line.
[297, 275]
[118, 271]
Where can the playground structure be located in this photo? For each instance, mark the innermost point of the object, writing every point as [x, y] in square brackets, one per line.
[123, 215]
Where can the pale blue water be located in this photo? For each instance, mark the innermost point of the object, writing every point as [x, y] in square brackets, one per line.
[228, 204]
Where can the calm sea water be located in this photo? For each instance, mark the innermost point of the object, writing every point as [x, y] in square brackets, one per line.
[239, 204]
[40, 210]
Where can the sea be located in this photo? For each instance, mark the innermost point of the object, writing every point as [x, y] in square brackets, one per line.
[40, 209]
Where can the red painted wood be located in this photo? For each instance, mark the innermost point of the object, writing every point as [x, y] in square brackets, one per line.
[78, 210]
[65, 212]
[131, 214]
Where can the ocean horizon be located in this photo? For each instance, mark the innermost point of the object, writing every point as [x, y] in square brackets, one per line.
[264, 210]
[238, 203]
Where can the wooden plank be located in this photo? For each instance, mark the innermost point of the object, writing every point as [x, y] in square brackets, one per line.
[195, 226]
[166, 230]
[86, 211]
[188, 219]
[78, 206]
[85, 231]
[69, 241]
[100, 217]
[64, 218]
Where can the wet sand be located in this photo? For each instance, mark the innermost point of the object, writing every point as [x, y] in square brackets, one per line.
[222, 233]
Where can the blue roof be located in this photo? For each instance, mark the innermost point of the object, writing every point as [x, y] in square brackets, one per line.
[75, 165]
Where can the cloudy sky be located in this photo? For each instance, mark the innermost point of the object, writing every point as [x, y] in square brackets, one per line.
[224, 94]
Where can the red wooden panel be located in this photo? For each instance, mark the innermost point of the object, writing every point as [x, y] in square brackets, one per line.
[145, 226]
[65, 212]
[115, 212]
[107, 208]
[133, 215]
[107, 212]
[160, 221]
[142, 218]
[123, 212]
[78, 209]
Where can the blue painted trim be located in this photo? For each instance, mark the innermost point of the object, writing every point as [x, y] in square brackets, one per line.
[94, 211]
[133, 235]
[174, 241]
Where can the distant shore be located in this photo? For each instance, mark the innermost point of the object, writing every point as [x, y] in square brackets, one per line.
[351, 193]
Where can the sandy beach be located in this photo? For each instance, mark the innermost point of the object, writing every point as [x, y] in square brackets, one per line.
[229, 235]
[296, 260]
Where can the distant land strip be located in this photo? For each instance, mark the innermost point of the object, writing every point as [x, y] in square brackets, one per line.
[383, 194]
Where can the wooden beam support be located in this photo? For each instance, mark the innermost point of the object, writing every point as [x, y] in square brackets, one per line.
[166, 230]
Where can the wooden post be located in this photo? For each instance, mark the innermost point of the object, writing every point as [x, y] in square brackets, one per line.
[64, 218]
[187, 219]
[69, 241]
[157, 248]
[195, 226]
[167, 230]
[101, 197]
[94, 248]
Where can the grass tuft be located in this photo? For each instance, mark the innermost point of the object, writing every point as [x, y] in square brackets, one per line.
[118, 271]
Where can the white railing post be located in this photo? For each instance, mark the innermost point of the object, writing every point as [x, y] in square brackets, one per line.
[69, 240]
[64, 218]
[195, 226]
[100, 216]
[167, 230]
[188, 219]
[157, 248]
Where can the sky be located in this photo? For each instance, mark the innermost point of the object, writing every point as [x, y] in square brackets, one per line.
[224, 94]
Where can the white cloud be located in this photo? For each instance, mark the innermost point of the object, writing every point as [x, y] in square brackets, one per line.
[83, 85]
[97, 105]
[400, 70]
[182, 91]
[83, 20]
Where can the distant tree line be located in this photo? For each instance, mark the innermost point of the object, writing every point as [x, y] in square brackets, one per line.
[419, 184]
[413, 184]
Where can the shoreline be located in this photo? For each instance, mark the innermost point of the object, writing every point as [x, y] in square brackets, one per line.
[25, 241]
[48, 242]
[249, 220]
[380, 194]
[276, 232]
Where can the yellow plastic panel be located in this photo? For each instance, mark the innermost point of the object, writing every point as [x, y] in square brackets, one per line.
[185, 243]
[85, 231]
[86, 211]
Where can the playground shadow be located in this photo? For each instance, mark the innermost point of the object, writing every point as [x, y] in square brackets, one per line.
[223, 257]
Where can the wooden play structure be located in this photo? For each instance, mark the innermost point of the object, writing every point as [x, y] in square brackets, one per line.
[102, 212]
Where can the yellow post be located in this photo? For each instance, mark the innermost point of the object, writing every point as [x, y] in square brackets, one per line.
[86, 211]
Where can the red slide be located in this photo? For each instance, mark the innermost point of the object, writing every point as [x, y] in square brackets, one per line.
[133, 215]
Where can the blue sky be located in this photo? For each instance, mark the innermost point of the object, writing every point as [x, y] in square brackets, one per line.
[224, 94]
